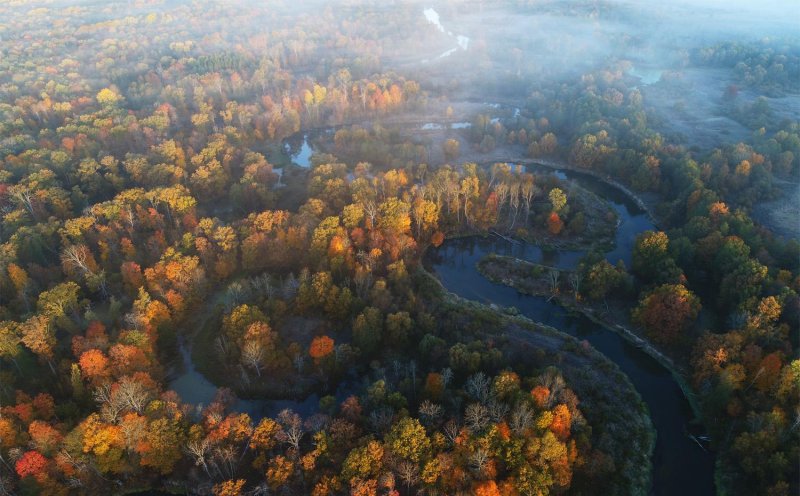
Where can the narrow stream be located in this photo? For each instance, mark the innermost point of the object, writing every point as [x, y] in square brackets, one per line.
[680, 465]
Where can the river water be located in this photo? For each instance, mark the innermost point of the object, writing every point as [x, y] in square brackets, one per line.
[680, 465]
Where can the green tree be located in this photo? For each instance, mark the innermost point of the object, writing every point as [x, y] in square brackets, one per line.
[601, 279]
[651, 259]
[368, 330]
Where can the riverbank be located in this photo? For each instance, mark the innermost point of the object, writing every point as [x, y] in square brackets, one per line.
[620, 421]
[534, 279]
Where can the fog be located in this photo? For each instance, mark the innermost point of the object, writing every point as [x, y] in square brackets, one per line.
[480, 50]
[514, 49]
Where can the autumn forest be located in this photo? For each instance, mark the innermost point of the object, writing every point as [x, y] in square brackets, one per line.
[529, 248]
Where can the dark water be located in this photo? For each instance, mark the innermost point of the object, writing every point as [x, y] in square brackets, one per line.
[195, 389]
[299, 151]
[680, 465]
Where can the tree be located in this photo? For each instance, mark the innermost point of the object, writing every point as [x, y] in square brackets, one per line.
[651, 259]
[105, 441]
[108, 98]
[321, 346]
[408, 440]
[32, 464]
[541, 396]
[557, 199]
[44, 437]
[425, 215]
[38, 336]
[79, 260]
[229, 488]
[161, 447]
[451, 149]
[554, 223]
[364, 462]
[94, 366]
[10, 341]
[394, 216]
[562, 420]
[666, 311]
[59, 300]
[236, 324]
[601, 279]
[487, 488]
[742, 284]
[265, 435]
[368, 330]
[20, 280]
[398, 327]
[280, 471]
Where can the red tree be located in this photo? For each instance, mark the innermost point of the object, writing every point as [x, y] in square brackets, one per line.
[32, 463]
[321, 346]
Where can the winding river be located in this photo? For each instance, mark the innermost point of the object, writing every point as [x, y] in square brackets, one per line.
[680, 464]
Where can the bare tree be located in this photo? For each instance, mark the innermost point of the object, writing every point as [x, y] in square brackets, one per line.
[299, 361]
[371, 210]
[110, 407]
[497, 410]
[476, 416]
[479, 387]
[430, 412]
[130, 217]
[521, 418]
[260, 490]
[408, 472]
[6, 486]
[381, 419]
[452, 191]
[23, 198]
[77, 257]
[501, 192]
[198, 449]
[451, 430]
[292, 431]
[447, 376]
[132, 394]
[478, 460]
[317, 422]
[554, 276]
[555, 383]
[528, 190]
[234, 295]
[267, 287]
[575, 280]
[513, 200]
[290, 286]
[226, 460]
[244, 377]
[253, 355]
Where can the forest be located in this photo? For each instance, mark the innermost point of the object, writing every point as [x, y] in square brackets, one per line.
[368, 248]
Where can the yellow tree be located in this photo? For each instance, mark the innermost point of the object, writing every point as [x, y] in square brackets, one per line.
[38, 336]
